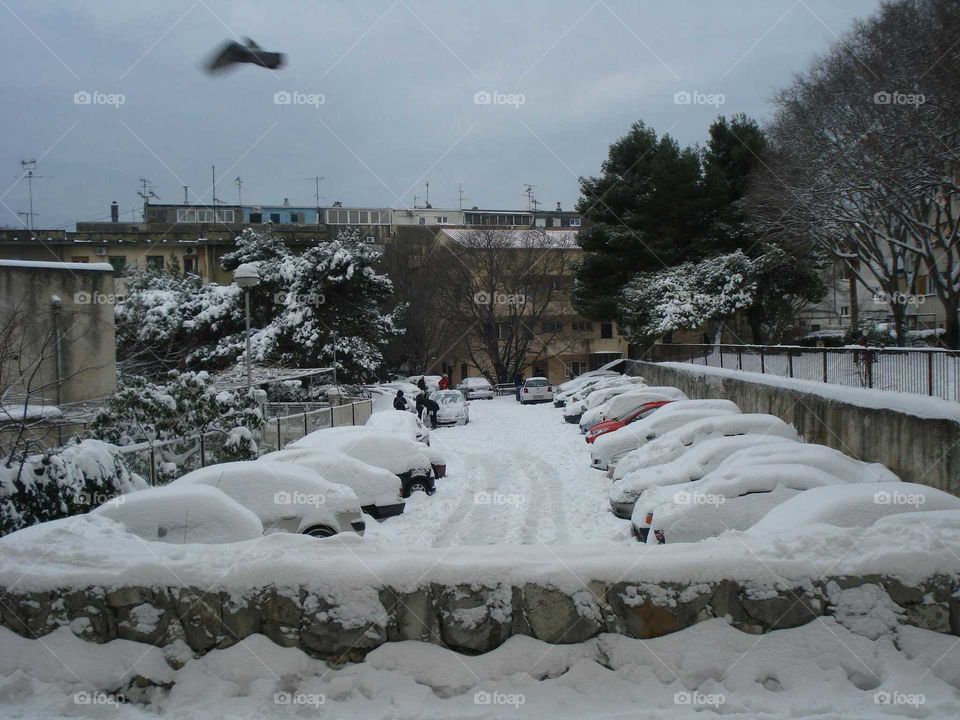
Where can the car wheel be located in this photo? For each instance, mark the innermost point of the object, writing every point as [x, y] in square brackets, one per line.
[320, 531]
[418, 485]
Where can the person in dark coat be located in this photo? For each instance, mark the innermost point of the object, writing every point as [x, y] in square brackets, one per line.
[399, 402]
[425, 403]
[422, 384]
[518, 383]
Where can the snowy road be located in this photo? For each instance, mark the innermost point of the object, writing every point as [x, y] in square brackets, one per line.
[516, 475]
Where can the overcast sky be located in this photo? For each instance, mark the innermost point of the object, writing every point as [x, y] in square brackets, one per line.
[398, 82]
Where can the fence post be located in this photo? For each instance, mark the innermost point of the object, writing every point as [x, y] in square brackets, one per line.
[331, 416]
[279, 446]
[790, 363]
[739, 359]
[153, 467]
[353, 413]
[304, 421]
[203, 452]
[824, 364]
[868, 358]
[763, 368]
[929, 373]
[720, 350]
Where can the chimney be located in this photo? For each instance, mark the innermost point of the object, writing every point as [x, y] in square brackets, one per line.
[559, 209]
[286, 202]
[114, 212]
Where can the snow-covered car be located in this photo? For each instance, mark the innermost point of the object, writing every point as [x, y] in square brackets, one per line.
[608, 449]
[576, 405]
[182, 514]
[675, 443]
[286, 498]
[609, 426]
[476, 388]
[405, 458]
[400, 422]
[536, 389]
[431, 381]
[581, 382]
[621, 406]
[378, 491]
[860, 505]
[410, 393]
[733, 497]
[695, 463]
[454, 408]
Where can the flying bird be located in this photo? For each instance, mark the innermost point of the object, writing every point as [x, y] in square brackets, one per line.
[233, 53]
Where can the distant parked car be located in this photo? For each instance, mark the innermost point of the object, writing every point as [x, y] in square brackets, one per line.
[432, 381]
[182, 514]
[608, 449]
[476, 388]
[859, 505]
[407, 459]
[536, 389]
[400, 422]
[581, 382]
[454, 408]
[286, 498]
[378, 491]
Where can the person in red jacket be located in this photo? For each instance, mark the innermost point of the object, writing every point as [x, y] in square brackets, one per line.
[444, 383]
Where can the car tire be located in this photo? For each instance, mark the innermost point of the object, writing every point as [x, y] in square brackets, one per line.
[418, 484]
[320, 531]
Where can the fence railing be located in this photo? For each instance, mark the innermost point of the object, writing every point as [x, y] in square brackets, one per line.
[923, 371]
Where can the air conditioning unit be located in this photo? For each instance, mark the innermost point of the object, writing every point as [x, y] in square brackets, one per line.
[371, 239]
[101, 251]
[190, 251]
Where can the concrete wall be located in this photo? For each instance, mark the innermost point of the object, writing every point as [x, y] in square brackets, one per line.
[919, 449]
[85, 320]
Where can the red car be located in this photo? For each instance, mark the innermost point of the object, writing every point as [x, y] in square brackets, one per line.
[609, 426]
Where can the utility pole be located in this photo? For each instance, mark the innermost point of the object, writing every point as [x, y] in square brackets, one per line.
[239, 183]
[428, 194]
[460, 195]
[27, 169]
[316, 194]
[213, 173]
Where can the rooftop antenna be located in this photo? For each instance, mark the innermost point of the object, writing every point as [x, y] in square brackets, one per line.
[460, 195]
[239, 183]
[27, 168]
[428, 194]
[529, 191]
[146, 192]
[186, 200]
[213, 173]
[316, 194]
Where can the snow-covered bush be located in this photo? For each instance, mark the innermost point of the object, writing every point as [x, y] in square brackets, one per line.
[70, 481]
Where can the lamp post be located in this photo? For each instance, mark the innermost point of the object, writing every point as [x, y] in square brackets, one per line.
[246, 276]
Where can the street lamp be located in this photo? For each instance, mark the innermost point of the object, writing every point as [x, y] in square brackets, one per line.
[247, 276]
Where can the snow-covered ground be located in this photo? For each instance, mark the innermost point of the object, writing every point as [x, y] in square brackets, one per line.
[516, 475]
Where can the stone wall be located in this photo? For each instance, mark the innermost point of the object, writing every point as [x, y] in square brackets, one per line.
[465, 618]
[919, 449]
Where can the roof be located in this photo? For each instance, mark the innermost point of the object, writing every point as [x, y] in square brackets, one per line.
[557, 239]
[42, 265]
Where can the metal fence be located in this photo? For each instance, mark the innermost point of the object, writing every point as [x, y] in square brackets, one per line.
[159, 460]
[923, 371]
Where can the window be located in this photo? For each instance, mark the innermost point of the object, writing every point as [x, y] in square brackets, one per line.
[80, 259]
[189, 265]
[354, 217]
[256, 217]
[275, 218]
[575, 368]
[119, 263]
[203, 215]
[844, 311]
[582, 326]
[606, 330]
[574, 222]
[440, 219]
[423, 221]
[155, 262]
[551, 326]
[295, 218]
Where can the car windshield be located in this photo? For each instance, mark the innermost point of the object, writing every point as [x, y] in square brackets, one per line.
[476, 383]
[537, 382]
[450, 397]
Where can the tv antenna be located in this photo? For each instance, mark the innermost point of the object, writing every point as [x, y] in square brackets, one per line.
[530, 191]
[27, 168]
[427, 204]
[146, 190]
[239, 183]
[316, 186]
[460, 195]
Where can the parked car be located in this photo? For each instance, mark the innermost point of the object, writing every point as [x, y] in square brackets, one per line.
[407, 459]
[580, 382]
[608, 449]
[576, 405]
[675, 443]
[432, 381]
[696, 462]
[619, 407]
[286, 498]
[859, 505]
[410, 393]
[401, 422]
[722, 500]
[476, 388]
[536, 389]
[378, 491]
[183, 514]
[454, 408]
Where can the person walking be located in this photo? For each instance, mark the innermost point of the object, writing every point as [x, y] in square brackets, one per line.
[399, 402]
[518, 382]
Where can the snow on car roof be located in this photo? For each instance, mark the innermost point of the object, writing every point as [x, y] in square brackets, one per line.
[396, 421]
[373, 485]
[376, 447]
[476, 381]
[182, 514]
[858, 505]
[820, 456]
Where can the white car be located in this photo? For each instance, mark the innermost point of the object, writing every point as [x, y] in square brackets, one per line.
[859, 505]
[536, 389]
[608, 449]
[454, 408]
[579, 383]
[183, 514]
[286, 498]
[407, 459]
[476, 388]
[431, 381]
[672, 445]
[378, 491]
[697, 461]
[401, 422]
[576, 407]
[619, 407]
